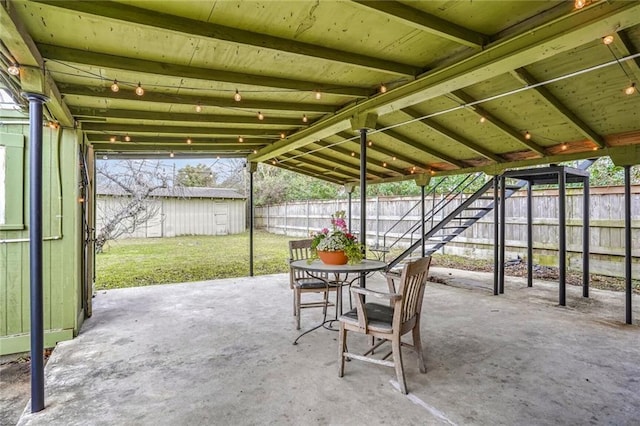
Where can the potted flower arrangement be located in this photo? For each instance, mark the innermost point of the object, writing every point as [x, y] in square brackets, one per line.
[336, 246]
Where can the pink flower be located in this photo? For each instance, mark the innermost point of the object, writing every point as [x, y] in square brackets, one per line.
[325, 231]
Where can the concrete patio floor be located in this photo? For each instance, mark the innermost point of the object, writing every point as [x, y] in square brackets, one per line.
[220, 352]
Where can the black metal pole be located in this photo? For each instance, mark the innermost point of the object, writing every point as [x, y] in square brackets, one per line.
[502, 234]
[562, 236]
[350, 192]
[35, 250]
[496, 233]
[363, 195]
[627, 242]
[529, 235]
[585, 238]
[251, 222]
[423, 213]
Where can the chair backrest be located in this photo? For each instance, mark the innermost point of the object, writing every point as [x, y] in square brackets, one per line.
[298, 250]
[411, 287]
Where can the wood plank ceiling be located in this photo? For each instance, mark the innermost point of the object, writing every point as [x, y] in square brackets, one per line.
[455, 85]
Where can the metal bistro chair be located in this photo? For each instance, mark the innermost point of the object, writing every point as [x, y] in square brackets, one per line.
[300, 282]
[388, 322]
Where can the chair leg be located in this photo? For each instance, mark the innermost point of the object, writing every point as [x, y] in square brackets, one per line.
[298, 309]
[342, 344]
[397, 361]
[326, 302]
[417, 345]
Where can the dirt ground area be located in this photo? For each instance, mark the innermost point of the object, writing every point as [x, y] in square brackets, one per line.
[15, 374]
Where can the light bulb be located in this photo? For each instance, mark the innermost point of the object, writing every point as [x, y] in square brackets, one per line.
[579, 4]
[483, 119]
[127, 138]
[14, 69]
[260, 116]
[240, 139]
[595, 148]
[114, 86]
[237, 96]
[198, 108]
[433, 172]
[139, 90]
[112, 139]
[631, 89]
[563, 147]
[370, 143]
[255, 151]
[171, 154]
[394, 158]
[607, 39]
[353, 154]
[304, 118]
[188, 141]
[282, 135]
[318, 95]
[273, 162]
[384, 164]
[527, 135]
[383, 88]
[104, 157]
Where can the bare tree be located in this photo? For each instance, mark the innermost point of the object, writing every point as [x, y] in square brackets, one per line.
[133, 184]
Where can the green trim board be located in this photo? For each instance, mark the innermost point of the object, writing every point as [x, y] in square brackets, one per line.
[14, 181]
[21, 342]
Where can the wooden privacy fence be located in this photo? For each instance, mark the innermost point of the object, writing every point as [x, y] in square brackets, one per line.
[606, 225]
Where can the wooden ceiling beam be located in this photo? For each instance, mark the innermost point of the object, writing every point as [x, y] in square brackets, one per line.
[523, 76]
[210, 31]
[311, 173]
[248, 141]
[84, 114]
[133, 147]
[122, 128]
[33, 79]
[546, 40]
[345, 166]
[427, 22]
[464, 98]
[167, 98]
[356, 157]
[624, 47]
[143, 66]
[335, 170]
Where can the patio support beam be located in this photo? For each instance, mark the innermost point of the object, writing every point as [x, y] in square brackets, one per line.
[529, 234]
[627, 244]
[252, 168]
[585, 237]
[113, 62]
[503, 184]
[210, 101]
[427, 22]
[464, 98]
[496, 233]
[134, 146]
[562, 236]
[523, 76]
[347, 154]
[35, 250]
[211, 31]
[451, 135]
[122, 128]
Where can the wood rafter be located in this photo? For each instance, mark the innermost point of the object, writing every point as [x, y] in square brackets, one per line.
[428, 23]
[335, 169]
[84, 57]
[523, 76]
[343, 165]
[464, 98]
[135, 147]
[211, 31]
[166, 98]
[624, 47]
[311, 173]
[91, 114]
[122, 128]
[356, 157]
[248, 141]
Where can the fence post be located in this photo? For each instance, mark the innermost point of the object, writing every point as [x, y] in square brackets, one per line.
[308, 214]
[286, 217]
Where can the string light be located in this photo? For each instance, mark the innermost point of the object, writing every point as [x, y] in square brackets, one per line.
[139, 90]
[114, 87]
[370, 143]
[273, 162]
[260, 116]
[433, 172]
[353, 154]
[383, 88]
[579, 4]
[255, 151]
[104, 157]
[607, 39]
[198, 108]
[188, 141]
[282, 135]
[112, 138]
[318, 95]
[393, 158]
[53, 125]
[483, 119]
[237, 96]
[384, 164]
[240, 139]
[127, 138]
[630, 90]
[304, 118]
[563, 147]
[14, 69]
[171, 154]
[527, 135]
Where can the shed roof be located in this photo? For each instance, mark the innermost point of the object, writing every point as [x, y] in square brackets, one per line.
[467, 85]
[178, 192]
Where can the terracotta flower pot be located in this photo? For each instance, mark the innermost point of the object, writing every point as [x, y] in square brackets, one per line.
[333, 257]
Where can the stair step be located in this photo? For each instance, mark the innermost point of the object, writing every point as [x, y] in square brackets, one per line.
[379, 248]
[514, 187]
[453, 227]
[479, 208]
[486, 197]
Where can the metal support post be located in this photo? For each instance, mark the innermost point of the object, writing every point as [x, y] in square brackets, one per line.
[627, 243]
[502, 234]
[251, 219]
[529, 235]
[496, 233]
[585, 238]
[562, 236]
[363, 196]
[422, 215]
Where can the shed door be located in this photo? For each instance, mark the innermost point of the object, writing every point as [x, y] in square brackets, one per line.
[221, 214]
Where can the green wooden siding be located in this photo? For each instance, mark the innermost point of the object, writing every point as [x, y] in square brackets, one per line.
[61, 249]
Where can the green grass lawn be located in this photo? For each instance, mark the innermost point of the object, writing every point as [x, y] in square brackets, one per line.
[145, 261]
